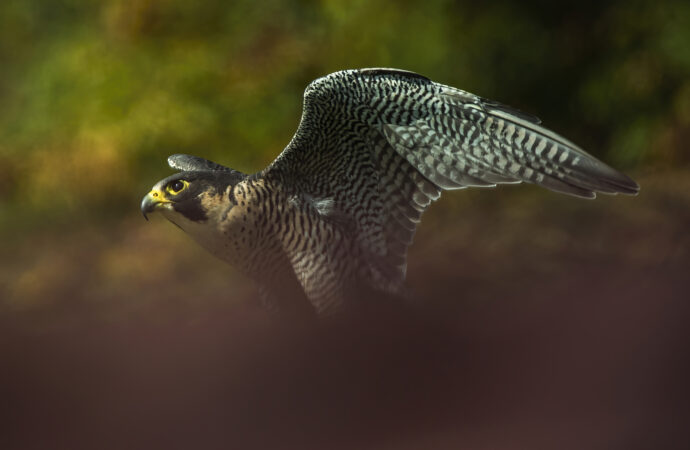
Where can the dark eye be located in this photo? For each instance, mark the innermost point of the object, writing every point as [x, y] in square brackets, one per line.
[176, 186]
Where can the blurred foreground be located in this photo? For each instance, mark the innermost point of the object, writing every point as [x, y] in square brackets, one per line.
[549, 322]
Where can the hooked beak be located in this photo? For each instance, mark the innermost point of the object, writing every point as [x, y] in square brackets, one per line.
[151, 201]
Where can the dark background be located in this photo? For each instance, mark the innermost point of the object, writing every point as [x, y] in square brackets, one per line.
[547, 321]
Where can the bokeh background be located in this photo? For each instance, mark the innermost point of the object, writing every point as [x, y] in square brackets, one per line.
[550, 322]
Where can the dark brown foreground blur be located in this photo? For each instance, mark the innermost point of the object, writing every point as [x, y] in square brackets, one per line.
[549, 323]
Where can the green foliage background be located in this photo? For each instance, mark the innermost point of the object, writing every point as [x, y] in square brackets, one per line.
[96, 94]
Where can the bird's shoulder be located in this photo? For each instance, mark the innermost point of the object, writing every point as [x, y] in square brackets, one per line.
[411, 90]
[351, 82]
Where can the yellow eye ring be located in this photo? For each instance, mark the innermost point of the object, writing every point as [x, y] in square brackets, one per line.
[177, 186]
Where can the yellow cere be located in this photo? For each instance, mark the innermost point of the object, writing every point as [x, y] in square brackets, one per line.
[158, 196]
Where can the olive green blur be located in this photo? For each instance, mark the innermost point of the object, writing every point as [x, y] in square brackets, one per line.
[95, 95]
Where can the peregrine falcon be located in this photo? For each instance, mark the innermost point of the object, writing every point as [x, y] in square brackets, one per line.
[333, 215]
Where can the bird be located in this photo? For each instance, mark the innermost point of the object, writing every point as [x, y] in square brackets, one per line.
[333, 215]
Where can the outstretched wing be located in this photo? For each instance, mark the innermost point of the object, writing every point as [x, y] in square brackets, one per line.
[383, 143]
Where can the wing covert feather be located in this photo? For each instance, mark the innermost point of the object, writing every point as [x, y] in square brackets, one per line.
[384, 143]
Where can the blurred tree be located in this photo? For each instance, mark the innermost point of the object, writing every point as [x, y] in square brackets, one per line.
[95, 95]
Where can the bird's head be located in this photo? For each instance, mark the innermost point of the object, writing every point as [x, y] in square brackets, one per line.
[193, 195]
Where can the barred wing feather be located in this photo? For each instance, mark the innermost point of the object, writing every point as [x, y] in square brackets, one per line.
[383, 144]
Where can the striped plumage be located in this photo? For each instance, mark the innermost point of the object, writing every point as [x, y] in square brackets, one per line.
[334, 214]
